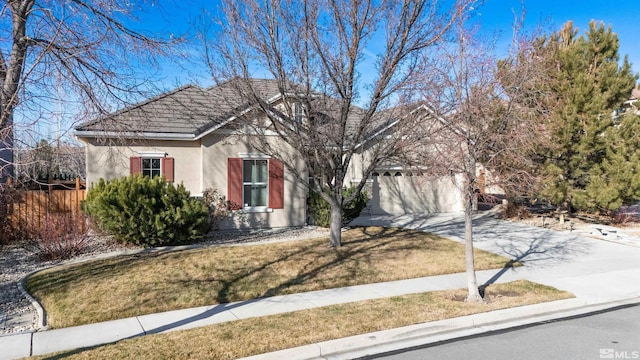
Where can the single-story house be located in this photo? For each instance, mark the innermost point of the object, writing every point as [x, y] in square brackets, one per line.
[191, 136]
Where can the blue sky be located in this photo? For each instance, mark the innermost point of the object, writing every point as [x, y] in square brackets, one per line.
[495, 17]
[623, 17]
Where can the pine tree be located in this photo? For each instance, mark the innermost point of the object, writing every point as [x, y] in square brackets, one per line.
[616, 181]
[588, 84]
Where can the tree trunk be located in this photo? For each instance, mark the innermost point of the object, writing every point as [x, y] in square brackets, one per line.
[470, 199]
[335, 229]
[472, 282]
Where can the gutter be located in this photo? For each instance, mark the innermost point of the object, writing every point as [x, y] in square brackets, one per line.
[134, 135]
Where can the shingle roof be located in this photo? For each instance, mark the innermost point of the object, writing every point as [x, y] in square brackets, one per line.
[180, 111]
[192, 110]
[189, 109]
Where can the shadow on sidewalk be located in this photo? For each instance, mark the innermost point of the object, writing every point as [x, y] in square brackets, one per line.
[531, 246]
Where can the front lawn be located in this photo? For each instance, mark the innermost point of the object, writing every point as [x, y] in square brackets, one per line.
[270, 333]
[147, 283]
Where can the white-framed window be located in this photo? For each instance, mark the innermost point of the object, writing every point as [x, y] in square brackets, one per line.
[298, 112]
[255, 183]
[152, 164]
[151, 167]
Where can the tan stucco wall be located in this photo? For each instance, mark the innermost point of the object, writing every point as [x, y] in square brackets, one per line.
[406, 194]
[491, 183]
[414, 194]
[111, 160]
[217, 148]
[203, 164]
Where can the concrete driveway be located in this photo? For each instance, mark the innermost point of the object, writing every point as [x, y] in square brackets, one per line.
[594, 270]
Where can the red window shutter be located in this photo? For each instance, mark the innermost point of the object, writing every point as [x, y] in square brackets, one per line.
[167, 168]
[234, 183]
[276, 184]
[135, 165]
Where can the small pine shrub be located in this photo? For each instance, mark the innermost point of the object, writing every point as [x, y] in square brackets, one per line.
[58, 236]
[147, 212]
[320, 210]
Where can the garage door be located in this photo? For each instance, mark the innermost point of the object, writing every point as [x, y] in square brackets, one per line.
[406, 192]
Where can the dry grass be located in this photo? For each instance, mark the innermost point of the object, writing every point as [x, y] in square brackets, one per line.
[270, 333]
[148, 283]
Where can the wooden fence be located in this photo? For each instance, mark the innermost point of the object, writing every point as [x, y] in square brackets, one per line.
[31, 207]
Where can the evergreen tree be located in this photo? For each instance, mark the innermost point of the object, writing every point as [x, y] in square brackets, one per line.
[589, 84]
[616, 181]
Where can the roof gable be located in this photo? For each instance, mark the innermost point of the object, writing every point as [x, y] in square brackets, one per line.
[192, 112]
[188, 110]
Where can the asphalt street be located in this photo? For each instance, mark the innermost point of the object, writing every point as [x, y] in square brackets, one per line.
[608, 335]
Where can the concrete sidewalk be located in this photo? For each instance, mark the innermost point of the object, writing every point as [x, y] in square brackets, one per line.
[601, 275]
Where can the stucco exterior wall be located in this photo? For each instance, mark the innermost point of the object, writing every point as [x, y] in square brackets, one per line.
[203, 164]
[405, 191]
[404, 194]
[111, 161]
[217, 148]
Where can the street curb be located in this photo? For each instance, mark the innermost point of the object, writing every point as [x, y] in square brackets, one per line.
[415, 336]
[41, 324]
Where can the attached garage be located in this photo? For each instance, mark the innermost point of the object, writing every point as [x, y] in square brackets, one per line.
[403, 192]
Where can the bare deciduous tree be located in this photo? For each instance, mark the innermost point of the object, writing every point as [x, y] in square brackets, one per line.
[82, 52]
[489, 114]
[45, 161]
[343, 66]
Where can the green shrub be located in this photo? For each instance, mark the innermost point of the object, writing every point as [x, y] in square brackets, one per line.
[148, 212]
[320, 210]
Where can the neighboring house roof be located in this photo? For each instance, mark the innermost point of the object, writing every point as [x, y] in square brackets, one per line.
[190, 112]
[631, 104]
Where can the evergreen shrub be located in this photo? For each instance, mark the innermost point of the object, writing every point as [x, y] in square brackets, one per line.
[320, 209]
[148, 212]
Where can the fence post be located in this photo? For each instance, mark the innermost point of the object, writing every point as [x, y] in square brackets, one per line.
[77, 195]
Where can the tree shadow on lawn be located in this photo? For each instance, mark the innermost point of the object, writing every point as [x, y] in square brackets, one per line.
[360, 255]
[358, 252]
[354, 250]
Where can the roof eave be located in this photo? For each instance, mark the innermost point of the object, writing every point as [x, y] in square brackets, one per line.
[133, 135]
[204, 133]
[392, 124]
